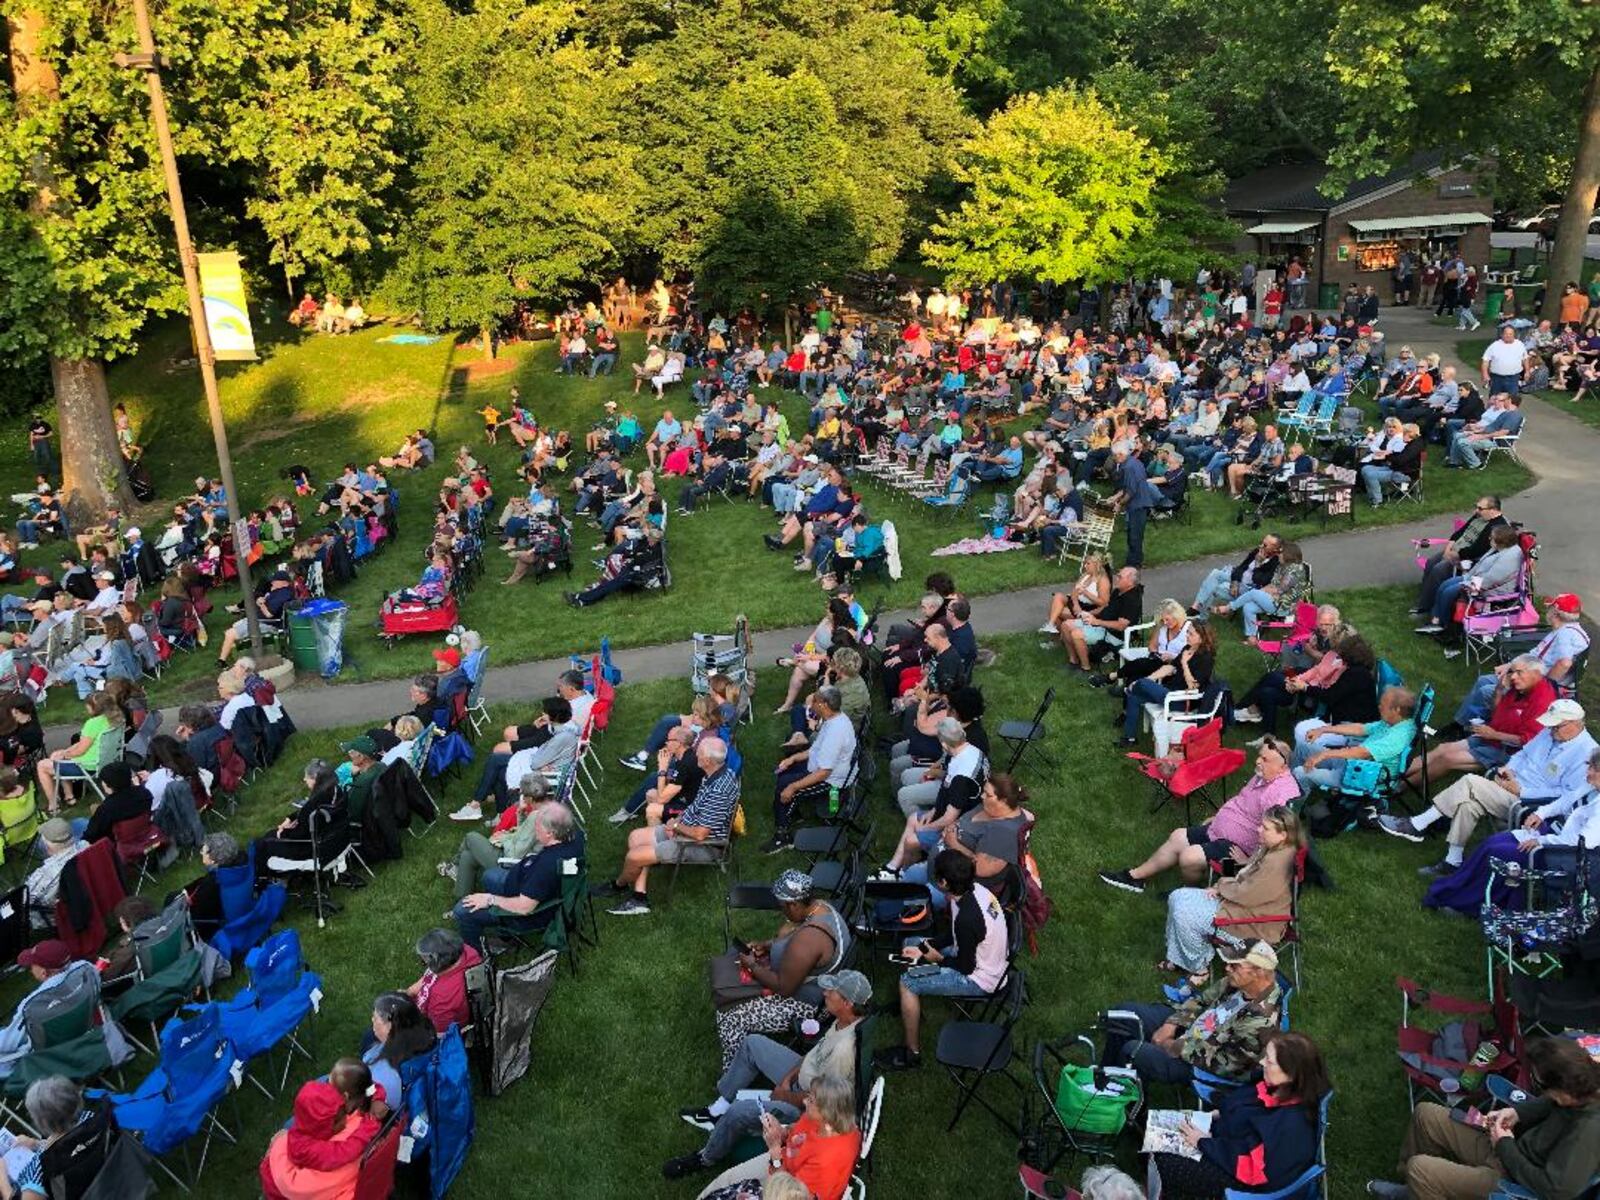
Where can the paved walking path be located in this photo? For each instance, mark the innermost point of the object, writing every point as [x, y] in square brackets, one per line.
[1563, 452]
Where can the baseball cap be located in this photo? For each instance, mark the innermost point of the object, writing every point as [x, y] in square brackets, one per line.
[135, 533]
[1560, 711]
[362, 745]
[852, 985]
[52, 954]
[1256, 953]
[791, 887]
[1566, 602]
[450, 657]
[111, 575]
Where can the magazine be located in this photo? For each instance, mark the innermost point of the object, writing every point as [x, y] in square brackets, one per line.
[1161, 1134]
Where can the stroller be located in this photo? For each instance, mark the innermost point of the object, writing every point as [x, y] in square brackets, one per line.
[1268, 494]
[400, 618]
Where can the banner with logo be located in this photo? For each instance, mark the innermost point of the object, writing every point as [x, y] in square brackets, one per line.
[227, 317]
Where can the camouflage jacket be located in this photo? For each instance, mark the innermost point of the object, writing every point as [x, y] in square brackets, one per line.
[1223, 1029]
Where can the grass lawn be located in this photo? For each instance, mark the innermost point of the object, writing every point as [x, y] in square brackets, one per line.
[623, 1046]
[319, 401]
[1587, 411]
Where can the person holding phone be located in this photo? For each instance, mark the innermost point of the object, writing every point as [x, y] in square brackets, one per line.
[812, 941]
[819, 1149]
[1548, 1144]
[847, 996]
[972, 961]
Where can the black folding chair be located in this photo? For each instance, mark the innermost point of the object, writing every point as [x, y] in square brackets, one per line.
[971, 1051]
[1023, 736]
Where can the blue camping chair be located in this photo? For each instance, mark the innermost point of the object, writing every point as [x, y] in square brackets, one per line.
[178, 1100]
[608, 670]
[246, 917]
[439, 1113]
[1313, 1182]
[281, 996]
[448, 751]
[1207, 1086]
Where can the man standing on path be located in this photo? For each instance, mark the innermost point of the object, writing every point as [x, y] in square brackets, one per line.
[1502, 364]
[1137, 496]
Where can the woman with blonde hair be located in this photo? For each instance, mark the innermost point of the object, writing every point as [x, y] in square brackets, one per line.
[1169, 638]
[1261, 888]
[1089, 594]
[819, 1150]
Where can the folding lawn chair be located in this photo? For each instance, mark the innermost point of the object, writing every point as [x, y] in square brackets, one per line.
[972, 1051]
[283, 996]
[1428, 1056]
[1195, 771]
[1023, 736]
[168, 966]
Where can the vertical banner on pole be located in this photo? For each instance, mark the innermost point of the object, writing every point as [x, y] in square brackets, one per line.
[227, 317]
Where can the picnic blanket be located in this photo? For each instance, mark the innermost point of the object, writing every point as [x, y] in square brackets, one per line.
[410, 339]
[987, 544]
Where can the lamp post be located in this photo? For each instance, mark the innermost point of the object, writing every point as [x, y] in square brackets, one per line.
[148, 61]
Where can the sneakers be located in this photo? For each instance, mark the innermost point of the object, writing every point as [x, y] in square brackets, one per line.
[773, 541]
[636, 762]
[897, 1058]
[1048, 628]
[1453, 653]
[778, 843]
[700, 1118]
[1247, 716]
[447, 870]
[1400, 827]
[685, 1164]
[1431, 628]
[1123, 880]
[609, 888]
[621, 817]
[886, 875]
[634, 906]
[1386, 1190]
[471, 811]
[1438, 869]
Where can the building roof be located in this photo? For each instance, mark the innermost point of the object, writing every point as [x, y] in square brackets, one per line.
[1293, 187]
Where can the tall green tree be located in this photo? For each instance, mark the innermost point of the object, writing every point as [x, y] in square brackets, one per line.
[994, 49]
[1455, 77]
[522, 182]
[832, 118]
[281, 108]
[1057, 190]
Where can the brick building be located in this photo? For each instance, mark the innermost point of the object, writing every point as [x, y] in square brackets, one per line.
[1427, 206]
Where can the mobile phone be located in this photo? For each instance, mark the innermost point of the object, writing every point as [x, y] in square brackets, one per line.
[925, 946]
[1467, 1116]
[903, 960]
[742, 946]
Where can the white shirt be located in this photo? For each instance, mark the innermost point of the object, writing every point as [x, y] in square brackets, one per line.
[233, 708]
[966, 762]
[1505, 358]
[582, 703]
[106, 600]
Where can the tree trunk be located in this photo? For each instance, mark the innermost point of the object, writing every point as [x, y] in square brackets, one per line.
[488, 342]
[1572, 232]
[92, 473]
[92, 476]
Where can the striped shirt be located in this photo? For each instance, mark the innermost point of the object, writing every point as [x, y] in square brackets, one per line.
[713, 805]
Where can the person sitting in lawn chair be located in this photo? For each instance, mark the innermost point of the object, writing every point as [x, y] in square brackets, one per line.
[523, 898]
[1548, 1145]
[1219, 1030]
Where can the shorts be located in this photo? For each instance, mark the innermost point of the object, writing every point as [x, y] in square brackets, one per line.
[683, 850]
[1217, 849]
[1488, 755]
[1093, 635]
[929, 979]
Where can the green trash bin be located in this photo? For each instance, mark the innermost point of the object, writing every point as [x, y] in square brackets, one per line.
[1492, 303]
[1328, 296]
[303, 643]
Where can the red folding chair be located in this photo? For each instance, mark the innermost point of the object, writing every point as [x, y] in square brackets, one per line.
[136, 840]
[1194, 770]
[1421, 1047]
[1274, 637]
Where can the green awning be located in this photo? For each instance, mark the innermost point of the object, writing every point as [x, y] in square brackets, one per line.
[1429, 221]
[1282, 227]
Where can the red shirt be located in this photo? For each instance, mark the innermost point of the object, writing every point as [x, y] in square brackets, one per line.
[443, 997]
[822, 1163]
[1519, 714]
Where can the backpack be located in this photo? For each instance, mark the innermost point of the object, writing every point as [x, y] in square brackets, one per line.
[1036, 906]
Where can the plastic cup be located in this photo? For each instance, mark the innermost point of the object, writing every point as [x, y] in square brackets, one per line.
[810, 1027]
[1450, 1087]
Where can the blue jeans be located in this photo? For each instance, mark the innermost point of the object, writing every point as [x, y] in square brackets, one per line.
[493, 780]
[1255, 604]
[657, 738]
[1504, 383]
[569, 361]
[610, 361]
[757, 1058]
[930, 979]
[473, 925]
[1215, 588]
[1444, 600]
[1137, 519]
[1373, 477]
[1329, 775]
[1142, 692]
[1479, 702]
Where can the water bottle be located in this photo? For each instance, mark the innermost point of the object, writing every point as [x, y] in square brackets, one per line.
[1472, 1077]
[833, 801]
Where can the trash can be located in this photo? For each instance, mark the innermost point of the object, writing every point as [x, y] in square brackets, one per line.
[1491, 305]
[316, 636]
[1328, 296]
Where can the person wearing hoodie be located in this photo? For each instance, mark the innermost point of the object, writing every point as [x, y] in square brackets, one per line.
[318, 1157]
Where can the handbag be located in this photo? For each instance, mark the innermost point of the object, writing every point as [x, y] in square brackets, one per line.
[730, 984]
[1092, 1100]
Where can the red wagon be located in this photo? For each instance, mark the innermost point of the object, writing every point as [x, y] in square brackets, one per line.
[401, 618]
